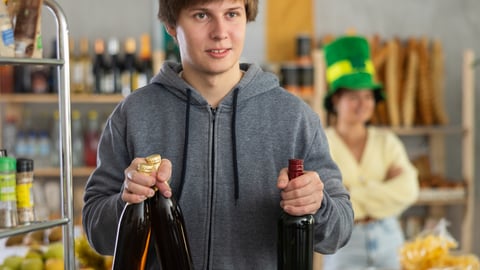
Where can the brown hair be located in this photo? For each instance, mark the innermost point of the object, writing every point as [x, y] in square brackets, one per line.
[170, 9]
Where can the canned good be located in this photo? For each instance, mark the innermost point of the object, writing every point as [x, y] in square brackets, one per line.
[8, 199]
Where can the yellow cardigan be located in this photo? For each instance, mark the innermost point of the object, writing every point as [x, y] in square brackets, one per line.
[371, 195]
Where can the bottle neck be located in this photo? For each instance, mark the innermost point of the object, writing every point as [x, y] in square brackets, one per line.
[295, 168]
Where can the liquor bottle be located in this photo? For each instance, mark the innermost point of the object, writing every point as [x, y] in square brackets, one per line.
[168, 229]
[145, 71]
[99, 67]
[86, 64]
[133, 233]
[129, 72]
[115, 65]
[76, 70]
[92, 136]
[295, 233]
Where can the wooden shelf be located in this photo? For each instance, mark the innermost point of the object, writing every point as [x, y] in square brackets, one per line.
[442, 196]
[53, 98]
[55, 172]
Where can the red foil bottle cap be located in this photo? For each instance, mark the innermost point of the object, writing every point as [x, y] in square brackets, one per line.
[295, 168]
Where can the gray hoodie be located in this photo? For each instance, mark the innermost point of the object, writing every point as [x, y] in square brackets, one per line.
[225, 167]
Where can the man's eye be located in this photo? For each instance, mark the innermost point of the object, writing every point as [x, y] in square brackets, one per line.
[232, 14]
[201, 15]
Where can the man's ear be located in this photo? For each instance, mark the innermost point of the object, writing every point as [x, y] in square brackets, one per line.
[171, 30]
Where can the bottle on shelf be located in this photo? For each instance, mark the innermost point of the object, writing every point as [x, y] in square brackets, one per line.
[6, 79]
[295, 233]
[86, 63]
[77, 139]
[133, 232]
[168, 229]
[76, 70]
[145, 71]
[100, 68]
[115, 65]
[129, 71]
[21, 146]
[8, 198]
[10, 133]
[43, 149]
[92, 136]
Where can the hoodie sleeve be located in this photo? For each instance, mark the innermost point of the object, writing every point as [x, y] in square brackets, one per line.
[102, 199]
[334, 219]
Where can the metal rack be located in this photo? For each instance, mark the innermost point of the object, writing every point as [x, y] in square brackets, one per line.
[63, 73]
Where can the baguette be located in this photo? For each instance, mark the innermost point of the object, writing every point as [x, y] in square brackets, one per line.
[391, 83]
[438, 83]
[424, 97]
[410, 86]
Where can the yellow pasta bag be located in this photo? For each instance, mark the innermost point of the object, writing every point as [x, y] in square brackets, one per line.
[432, 250]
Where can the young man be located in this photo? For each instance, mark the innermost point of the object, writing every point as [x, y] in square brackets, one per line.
[226, 131]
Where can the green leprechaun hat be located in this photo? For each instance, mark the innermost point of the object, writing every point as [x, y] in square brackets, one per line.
[349, 66]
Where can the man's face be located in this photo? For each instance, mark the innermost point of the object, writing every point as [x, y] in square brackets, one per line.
[211, 36]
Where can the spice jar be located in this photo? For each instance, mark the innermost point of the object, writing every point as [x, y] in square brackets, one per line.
[8, 209]
[25, 202]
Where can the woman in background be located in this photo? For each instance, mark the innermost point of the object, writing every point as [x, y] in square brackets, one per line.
[375, 167]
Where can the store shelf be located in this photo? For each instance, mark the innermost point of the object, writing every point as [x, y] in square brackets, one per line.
[427, 130]
[53, 98]
[442, 196]
[55, 172]
[33, 227]
[31, 61]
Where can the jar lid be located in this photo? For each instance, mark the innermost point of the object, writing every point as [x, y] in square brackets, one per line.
[24, 165]
[7, 164]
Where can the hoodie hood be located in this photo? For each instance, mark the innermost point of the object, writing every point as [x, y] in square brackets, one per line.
[254, 82]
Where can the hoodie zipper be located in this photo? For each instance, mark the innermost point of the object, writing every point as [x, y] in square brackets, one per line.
[214, 113]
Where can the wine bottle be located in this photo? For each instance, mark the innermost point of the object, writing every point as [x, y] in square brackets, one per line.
[115, 65]
[133, 233]
[129, 72]
[295, 233]
[145, 71]
[168, 230]
[99, 67]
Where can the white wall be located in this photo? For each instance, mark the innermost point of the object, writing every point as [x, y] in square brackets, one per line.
[455, 22]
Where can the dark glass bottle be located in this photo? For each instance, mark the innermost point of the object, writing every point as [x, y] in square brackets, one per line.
[133, 233]
[100, 67]
[295, 233]
[168, 230]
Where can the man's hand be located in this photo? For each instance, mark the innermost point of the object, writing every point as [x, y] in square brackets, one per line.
[137, 186]
[302, 195]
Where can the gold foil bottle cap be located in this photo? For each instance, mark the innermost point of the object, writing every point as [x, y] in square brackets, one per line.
[154, 160]
[145, 168]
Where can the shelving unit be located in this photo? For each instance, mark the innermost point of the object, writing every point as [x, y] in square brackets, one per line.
[63, 100]
[435, 135]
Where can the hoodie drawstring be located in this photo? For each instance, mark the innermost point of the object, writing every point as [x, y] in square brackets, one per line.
[185, 144]
[234, 145]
